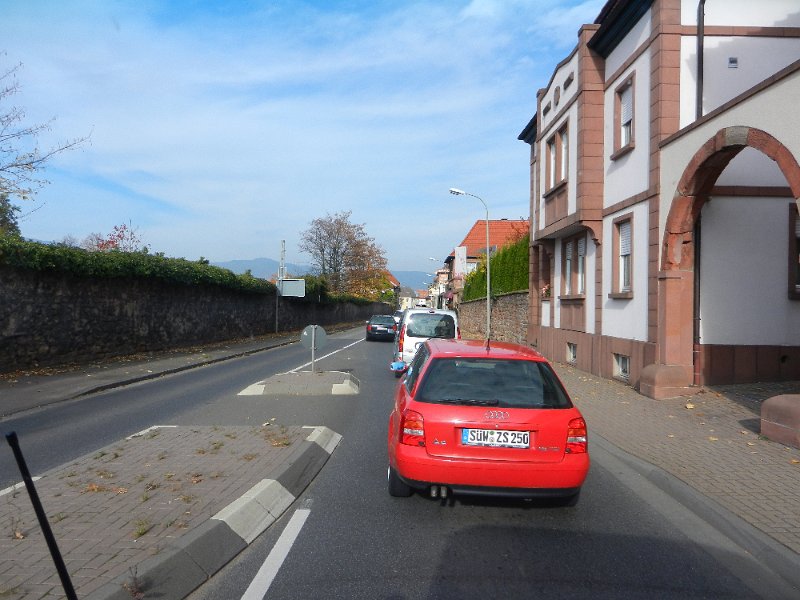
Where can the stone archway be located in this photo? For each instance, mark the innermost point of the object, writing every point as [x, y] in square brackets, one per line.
[673, 372]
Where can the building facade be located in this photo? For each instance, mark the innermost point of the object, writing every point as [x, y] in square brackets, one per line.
[660, 257]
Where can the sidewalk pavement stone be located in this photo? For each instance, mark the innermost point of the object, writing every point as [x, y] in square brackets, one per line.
[710, 441]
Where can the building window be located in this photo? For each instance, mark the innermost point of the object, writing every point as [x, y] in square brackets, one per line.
[568, 268]
[622, 276]
[622, 366]
[550, 176]
[575, 266]
[623, 117]
[572, 353]
[557, 159]
[794, 252]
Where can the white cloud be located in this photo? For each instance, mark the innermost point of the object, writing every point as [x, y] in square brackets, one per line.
[220, 134]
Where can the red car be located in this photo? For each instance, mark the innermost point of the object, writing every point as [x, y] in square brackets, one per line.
[488, 419]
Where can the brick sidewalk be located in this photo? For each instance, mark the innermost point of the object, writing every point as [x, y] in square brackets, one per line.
[125, 503]
[710, 441]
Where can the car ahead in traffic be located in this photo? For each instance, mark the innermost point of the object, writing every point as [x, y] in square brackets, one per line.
[381, 327]
[418, 325]
[485, 419]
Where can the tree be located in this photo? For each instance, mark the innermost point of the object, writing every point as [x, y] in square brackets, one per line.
[21, 159]
[124, 238]
[343, 254]
[8, 216]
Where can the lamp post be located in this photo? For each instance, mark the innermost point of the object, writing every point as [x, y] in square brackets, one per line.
[457, 192]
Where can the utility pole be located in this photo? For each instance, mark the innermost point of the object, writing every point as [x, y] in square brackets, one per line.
[281, 277]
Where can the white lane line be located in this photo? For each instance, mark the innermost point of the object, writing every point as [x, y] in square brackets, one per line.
[317, 359]
[260, 585]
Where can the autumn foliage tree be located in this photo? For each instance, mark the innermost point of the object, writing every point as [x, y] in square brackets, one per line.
[344, 255]
[124, 238]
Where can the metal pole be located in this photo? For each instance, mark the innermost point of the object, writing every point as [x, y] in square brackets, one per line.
[488, 276]
[313, 347]
[66, 583]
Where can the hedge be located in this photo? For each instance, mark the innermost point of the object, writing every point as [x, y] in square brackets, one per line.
[19, 253]
[509, 272]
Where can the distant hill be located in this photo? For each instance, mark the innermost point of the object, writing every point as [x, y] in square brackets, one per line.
[267, 268]
[263, 268]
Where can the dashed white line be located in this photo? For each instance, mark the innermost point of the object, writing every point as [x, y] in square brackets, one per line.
[260, 585]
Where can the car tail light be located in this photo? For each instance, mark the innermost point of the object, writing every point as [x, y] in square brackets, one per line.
[576, 436]
[412, 429]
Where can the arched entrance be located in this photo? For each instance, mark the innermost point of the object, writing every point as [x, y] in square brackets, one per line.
[674, 371]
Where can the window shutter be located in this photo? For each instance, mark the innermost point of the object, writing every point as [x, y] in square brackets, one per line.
[797, 227]
[626, 105]
[582, 247]
[625, 238]
[568, 250]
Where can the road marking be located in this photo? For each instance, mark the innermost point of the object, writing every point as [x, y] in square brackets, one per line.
[257, 389]
[260, 585]
[326, 356]
[17, 486]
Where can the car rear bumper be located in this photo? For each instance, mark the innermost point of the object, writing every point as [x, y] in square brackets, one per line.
[500, 478]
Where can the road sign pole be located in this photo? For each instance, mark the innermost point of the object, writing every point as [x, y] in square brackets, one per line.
[313, 347]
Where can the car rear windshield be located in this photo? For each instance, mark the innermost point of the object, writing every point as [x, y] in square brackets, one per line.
[431, 325]
[489, 382]
[387, 320]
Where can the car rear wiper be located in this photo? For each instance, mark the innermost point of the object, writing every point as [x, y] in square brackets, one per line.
[468, 401]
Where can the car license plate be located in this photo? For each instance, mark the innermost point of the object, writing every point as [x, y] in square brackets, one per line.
[497, 438]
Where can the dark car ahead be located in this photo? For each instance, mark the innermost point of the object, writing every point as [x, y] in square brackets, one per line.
[381, 327]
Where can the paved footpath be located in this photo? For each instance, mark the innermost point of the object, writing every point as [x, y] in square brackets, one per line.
[160, 512]
[711, 442]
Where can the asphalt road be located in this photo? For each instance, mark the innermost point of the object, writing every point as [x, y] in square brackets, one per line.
[625, 539]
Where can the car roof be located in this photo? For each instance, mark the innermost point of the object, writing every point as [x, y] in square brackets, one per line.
[441, 348]
[437, 311]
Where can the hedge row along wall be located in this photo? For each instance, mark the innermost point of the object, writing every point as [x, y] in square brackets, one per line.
[50, 317]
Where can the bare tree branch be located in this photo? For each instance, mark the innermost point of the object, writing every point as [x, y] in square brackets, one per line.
[21, 159]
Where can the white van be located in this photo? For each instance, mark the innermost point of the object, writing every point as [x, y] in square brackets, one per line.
[418, 325]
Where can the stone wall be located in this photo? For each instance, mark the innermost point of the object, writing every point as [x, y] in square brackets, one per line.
[509, 318]
[49, 319]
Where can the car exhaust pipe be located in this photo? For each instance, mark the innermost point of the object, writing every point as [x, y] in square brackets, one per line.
[438, 491]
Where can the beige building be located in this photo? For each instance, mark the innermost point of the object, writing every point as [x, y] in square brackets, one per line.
[664, 230]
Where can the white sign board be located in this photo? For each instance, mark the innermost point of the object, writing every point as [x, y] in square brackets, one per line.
[292, 287]
[460, 263]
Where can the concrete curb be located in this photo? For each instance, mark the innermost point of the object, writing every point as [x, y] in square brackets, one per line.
[780, 559]
[191, 560]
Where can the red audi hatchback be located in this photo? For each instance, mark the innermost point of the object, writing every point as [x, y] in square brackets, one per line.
[487, 419]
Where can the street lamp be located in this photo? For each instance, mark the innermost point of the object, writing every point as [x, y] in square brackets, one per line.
[457, 192]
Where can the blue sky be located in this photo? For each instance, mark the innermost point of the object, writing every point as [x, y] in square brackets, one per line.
[219, 129]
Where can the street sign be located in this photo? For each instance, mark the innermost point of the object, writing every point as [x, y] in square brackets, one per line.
[313, 337]
[292, 287]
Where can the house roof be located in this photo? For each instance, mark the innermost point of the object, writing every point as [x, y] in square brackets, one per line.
[502, 232]
[392, 279]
